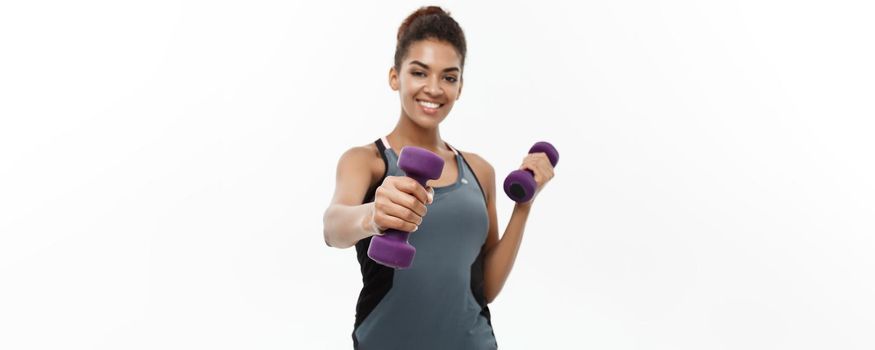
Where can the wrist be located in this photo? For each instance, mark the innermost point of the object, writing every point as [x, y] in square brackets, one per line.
[368, 225]
[524, 206]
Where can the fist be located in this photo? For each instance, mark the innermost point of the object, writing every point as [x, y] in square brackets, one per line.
[539, 164]
[400, 203]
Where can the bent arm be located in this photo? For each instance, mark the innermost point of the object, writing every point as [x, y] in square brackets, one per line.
[501, 256]
[500, 253]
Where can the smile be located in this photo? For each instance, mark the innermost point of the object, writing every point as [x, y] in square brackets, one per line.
[429, 105]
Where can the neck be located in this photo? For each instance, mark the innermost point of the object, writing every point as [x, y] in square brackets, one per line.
[408, 133]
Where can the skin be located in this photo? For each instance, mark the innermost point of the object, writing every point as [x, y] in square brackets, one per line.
[430, 71]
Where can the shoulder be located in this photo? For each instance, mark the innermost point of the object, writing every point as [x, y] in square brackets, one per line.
[364, 158]
[478, 164]
[360, 153]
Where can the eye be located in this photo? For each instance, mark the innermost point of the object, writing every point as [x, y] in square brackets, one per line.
[451, 79]
[417, 74]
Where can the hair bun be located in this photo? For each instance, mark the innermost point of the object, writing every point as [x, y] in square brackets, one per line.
[422, 11]
[430, 22]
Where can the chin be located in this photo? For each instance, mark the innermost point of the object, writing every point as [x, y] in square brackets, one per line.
[426, 121]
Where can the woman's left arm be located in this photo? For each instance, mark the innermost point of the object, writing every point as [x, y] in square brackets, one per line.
[501, 253]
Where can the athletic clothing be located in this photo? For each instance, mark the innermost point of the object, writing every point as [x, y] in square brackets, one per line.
[438, 302]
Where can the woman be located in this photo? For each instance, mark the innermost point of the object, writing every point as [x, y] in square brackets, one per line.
[461, 264]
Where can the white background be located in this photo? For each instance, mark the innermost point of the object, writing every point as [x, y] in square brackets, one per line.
[164, 167]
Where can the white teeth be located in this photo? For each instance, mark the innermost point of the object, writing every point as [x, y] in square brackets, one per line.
[429, 104]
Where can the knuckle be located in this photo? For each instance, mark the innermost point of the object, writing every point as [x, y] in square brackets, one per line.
[392, 223]
[409, 183]
[393, 181]
[381, 192]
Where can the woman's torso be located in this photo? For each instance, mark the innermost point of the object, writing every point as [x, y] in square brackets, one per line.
[438, 302]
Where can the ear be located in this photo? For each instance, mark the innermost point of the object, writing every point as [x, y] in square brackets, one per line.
[393, 79]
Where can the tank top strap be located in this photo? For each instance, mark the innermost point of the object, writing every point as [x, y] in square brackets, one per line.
[390, 158]
[452, 148]
[468, 171]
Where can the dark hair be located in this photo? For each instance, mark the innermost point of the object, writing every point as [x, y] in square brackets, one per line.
[430, 22]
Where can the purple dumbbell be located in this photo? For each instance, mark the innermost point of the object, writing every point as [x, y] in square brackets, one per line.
[520, 185]
[392, 249]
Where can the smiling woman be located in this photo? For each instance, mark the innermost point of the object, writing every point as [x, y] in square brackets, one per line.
[440, 302]
[429, 58]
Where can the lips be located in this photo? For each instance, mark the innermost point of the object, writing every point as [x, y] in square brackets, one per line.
[429, 104]
[429, 107]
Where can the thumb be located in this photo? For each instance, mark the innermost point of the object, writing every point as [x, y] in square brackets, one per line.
[430, 194]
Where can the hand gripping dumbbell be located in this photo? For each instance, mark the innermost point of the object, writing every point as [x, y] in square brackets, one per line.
[392, 249]
[520, 185]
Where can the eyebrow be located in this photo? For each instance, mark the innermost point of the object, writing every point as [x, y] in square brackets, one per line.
[426, 66]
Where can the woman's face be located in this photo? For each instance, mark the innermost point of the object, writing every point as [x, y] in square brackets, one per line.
[429, 82]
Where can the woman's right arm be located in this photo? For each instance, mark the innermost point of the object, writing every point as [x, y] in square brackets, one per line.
[347, 220]
[399, 202]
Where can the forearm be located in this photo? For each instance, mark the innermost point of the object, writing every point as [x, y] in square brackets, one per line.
[344, 225]
[499, 260]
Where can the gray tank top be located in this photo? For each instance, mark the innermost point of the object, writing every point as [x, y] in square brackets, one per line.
[438, 302]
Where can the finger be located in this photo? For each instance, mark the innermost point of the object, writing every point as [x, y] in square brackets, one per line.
[415, 189]
[528, 163]
[549, 170]
[393, 210]
[541, 155]
[391, 222]
[543, 164]
[548, 165]
[430, 195]
[409, 202]
[532, 158]
[546, 169]
[539, 167]
[546, 172]
[543, 172]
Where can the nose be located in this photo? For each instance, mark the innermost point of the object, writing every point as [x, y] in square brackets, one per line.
[433, 87]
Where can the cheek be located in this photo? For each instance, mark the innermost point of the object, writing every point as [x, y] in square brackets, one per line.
[454, 93]
[407, 88]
